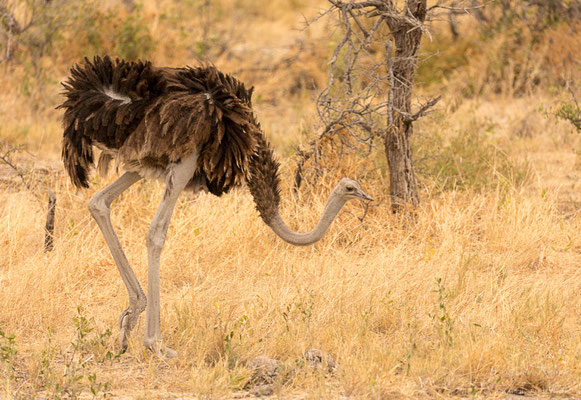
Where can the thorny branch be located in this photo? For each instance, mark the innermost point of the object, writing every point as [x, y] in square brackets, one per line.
[366, 206]
[7, 159]
[421, 112]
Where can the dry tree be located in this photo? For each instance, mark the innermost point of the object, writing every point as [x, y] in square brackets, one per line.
[368, 97]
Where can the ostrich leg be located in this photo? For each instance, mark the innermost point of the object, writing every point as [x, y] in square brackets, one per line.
[176, 180]
[99, 205]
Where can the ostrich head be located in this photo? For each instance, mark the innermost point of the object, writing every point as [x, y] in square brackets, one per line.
[349, 189]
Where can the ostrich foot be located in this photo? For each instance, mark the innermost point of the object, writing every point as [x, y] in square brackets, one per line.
[128, 319]
[159, 349]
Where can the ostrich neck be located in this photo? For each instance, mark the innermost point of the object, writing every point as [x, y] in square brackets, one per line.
[334, 205]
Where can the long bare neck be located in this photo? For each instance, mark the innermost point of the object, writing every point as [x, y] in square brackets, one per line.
[334, 205]
[264, 183]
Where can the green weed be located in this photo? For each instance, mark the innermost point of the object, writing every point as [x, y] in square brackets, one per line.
[8, 351]
[569, 111]
[443, 320]
[77, 376]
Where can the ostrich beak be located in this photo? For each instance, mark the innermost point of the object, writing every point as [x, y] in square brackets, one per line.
[364, 195]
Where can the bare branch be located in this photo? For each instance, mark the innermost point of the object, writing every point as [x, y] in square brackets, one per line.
[422, 111]
[464, 10]
[6, 159]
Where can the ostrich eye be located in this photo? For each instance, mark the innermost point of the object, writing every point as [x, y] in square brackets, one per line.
[350, 188]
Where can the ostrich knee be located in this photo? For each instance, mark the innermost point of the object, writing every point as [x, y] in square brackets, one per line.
[98, 207]
[156, 238]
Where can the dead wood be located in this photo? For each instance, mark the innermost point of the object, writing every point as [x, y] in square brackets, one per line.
[49, 226]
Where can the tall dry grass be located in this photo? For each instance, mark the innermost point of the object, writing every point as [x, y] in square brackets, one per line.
[479, 295]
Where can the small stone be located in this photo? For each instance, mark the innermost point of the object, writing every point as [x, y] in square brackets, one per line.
[317, 359]
[264, 370]
[263, 390]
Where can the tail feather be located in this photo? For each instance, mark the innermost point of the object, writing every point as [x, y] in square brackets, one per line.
[77, 156]
[264, 181]
[105, 102]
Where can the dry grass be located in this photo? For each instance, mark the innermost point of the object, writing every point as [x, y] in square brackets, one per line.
[480, 296]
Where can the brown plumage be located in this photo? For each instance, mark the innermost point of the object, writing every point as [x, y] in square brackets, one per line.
[264, 182]
[146, 118]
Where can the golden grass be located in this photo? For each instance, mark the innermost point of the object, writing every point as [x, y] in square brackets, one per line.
[479, 296]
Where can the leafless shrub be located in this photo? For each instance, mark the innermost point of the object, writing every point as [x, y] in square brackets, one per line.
[368, 94]
[32, 185]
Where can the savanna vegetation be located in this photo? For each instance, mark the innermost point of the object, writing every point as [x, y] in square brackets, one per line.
[477, 294]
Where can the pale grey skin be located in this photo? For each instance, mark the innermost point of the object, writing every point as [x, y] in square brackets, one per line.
[177, 177]
[346, 190]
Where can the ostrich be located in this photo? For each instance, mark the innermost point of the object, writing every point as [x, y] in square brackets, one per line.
[192, 128]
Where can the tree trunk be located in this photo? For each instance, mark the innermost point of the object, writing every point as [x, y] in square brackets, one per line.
[401, 70]
[402, 180]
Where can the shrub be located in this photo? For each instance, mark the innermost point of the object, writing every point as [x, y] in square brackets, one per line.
[569, 111]
[134, 40]
[471, 160]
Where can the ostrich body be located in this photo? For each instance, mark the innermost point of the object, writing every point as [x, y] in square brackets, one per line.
[193, 128]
